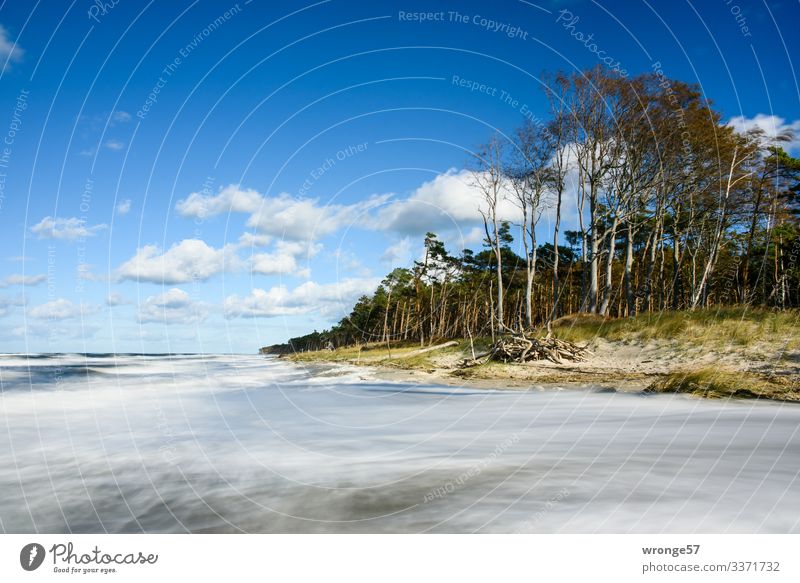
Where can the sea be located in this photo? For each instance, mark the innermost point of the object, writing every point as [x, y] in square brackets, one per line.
[221, 443]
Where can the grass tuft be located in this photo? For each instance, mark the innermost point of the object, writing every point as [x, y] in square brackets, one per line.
[718, 384]
[713, 328]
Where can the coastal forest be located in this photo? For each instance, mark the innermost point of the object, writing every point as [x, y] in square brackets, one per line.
[676, 210]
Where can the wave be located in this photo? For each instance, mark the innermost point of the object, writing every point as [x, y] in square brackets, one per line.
[179, 371]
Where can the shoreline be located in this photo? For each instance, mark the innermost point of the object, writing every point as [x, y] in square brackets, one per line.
[655, 366]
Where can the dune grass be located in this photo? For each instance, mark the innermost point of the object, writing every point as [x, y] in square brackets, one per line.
[715, 328]
[754, 335]
[737, 326]
[717, 383]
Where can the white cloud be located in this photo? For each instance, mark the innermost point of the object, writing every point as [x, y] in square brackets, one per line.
[350, 263]
[254, 240]
[448, 205]
[116, 299]
[67, 229]
[449, 201]
[293, 218]
[172, 306]
[9, 52]
[115, 145]
[473, 237]
[60, 309]
[772, 125]
[329, 299]
[7, 303]
[399, 253]
[231, 199]
[123, 207]
[84, 273]
[282, 216]
[285, 259]
[189, 260]
[19, 279]
[260, 303]
[120, 116]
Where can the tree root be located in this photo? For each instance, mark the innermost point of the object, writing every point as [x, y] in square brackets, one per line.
[519, 348]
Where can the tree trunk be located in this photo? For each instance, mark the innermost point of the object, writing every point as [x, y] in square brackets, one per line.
[630, 297]
[612, 244]
[593, 273]
[556, 290]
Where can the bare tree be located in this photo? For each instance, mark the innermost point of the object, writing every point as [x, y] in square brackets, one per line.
[528, 175]
[558, 130]
[488, 178]
[735, 174]
[592, 130]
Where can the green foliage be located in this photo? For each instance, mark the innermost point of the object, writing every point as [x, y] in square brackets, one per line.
[695, 230]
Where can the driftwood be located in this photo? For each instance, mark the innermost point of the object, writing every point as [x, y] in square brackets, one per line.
[424, 350]
[519, 348]
[431, 348]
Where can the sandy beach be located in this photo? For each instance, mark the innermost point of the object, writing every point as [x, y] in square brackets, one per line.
[762, 370]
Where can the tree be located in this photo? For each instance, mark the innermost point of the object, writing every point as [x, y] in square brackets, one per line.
[529, 176]
[675, 210]
[558, 132]
[737, 171]
[488, 178]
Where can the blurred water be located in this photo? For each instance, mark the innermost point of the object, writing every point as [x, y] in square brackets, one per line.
[175, 443]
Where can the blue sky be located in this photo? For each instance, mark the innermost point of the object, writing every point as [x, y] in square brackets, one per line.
[214, 176]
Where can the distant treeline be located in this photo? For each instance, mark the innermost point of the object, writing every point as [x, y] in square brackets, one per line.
[676, 210]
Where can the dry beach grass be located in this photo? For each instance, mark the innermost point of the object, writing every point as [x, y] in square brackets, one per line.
[734, 352]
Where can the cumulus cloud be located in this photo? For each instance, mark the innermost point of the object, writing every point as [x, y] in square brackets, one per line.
[328, 299]
[349, 262]
[473, 237]
[19, 279]
[293, 218]
[172, 306]
[195, 260]
[7, 303]
[189, 260]
[120, 116]
[285, 259]
[115, 145]
[772, 126]
[450, 200]
[60, 309]
[84, 273]
[448, 204]
[123, 207]
[282, 216]
[399, 253]
[10, 53]
[116, 299]
[231, 199]
[254, 240]
[67, 229]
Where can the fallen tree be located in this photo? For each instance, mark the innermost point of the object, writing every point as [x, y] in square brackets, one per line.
[520, 349]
